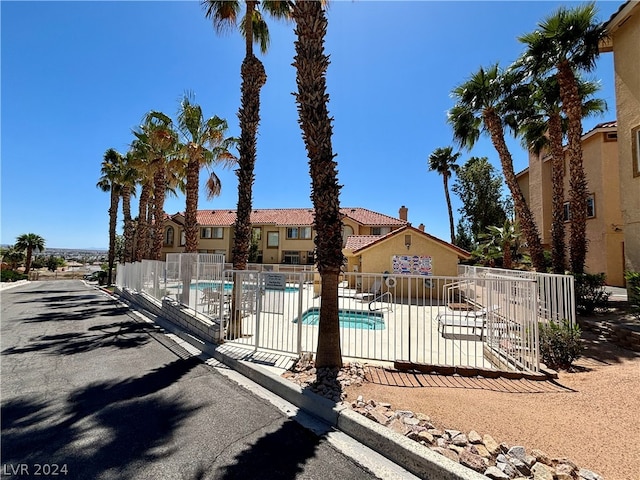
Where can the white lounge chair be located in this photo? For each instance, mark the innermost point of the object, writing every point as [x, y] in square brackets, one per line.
[374, 292]
[473, 319]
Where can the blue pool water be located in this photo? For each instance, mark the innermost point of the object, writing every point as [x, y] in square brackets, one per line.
[348, 319]
[228, 286]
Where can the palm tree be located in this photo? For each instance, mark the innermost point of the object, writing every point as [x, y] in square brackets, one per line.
[568, 41]
[253, 27]
[29, 242]
[543, 127]
[111, 173]
[141, 160]
[311, 64]
[204, 144]
[160, 140]
[443, 161]
[128, 181]
[480, 103]
[501, 240]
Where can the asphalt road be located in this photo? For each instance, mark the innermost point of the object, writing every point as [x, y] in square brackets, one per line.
[89, 391]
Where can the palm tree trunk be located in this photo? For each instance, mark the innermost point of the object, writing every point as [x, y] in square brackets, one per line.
[311, 65]
[159, 189]
[113, 219]
[27, 262]
[448, 198]
[572, 106]
[557, 200]
[142, 243]
[191, 207]
[527, 222]
[128, 224]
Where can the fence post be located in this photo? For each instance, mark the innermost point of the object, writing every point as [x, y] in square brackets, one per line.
[299, 323]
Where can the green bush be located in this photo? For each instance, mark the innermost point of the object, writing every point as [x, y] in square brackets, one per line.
[12, 276]
[633, 291]
[590, 293]
[560, 344]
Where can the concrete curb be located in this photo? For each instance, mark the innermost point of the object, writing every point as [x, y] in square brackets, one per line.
[409, 454]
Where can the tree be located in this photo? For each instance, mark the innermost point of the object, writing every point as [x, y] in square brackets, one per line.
[483, 101]
[254, 28]
[109, 181]
[543, 127]
[443, 161]
[204, 144]
[128, 180]
[12, 256]
[479, 188]
[311, 65]
[501, 240]
[29, 242]
[568, 40]
[54, 262]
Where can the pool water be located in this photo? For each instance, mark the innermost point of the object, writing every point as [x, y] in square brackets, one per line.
[228, 286]
[348, 319]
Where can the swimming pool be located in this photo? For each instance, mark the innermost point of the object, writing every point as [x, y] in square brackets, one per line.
[228, 286]
[348, 319]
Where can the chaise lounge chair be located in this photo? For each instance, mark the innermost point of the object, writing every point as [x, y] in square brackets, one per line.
[374, 292]
[473, 319]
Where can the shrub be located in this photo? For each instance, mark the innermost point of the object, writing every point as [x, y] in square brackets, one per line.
[560, 344]
[11, 276]
[633, 291]
[590, 293]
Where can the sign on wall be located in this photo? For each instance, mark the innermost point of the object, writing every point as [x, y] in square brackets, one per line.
[412, 265]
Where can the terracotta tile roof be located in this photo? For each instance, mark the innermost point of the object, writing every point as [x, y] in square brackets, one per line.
[294, 216]
[356, 242]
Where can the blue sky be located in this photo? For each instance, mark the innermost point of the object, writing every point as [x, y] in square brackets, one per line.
[77, 77]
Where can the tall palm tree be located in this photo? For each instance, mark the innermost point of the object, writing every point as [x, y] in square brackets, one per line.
[160, 140]
[568, 41]
[480, 107]
[141, 159]
[311, 64]
[111, 173]
[204, 144]
[29, 242]
[253, 27]
[128, 181]
[543, 127]
[443, 161]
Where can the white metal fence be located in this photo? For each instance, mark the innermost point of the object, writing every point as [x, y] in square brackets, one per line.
[483, 318]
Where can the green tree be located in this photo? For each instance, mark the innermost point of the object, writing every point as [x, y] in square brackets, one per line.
[479, 187]
[53, 262]
[109, 181]
[443, 161]
[204, 144]
[484, 101]
[29, 243]
[13, 257]
[311, 64]
[128, 180]
[253, 27]
[568, 41]
[500, 241]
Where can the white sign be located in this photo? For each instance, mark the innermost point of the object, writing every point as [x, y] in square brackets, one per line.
[275, 281]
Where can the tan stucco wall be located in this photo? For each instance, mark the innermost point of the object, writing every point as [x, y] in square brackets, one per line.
[626, 48]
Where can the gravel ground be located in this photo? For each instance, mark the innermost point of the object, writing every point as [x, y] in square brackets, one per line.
[590, 415]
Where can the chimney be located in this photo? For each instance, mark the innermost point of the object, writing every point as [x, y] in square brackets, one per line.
[421, 227]
[403, 213]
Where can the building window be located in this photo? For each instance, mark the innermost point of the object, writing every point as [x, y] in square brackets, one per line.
[205, 232]
[292, 232]
[256, 233]
[168, 236]
[218, 232]
[635, 140]
[305, 233]
[310, 258]
[292, 258]
[380, 230]
[566, 211]
[591, 206]
[183, 238]
[273, 239]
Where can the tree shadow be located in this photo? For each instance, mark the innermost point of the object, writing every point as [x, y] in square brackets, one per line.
[282, 453]
[117, 335]
[105, 428]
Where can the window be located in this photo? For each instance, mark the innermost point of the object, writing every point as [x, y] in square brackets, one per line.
[310, 258]
[291, 257]
[380, 230]
[183, 238]
[211, 232]
[292, 232]
[168, 236]
[635, 148]
[205, 232]
[591, 206]
[256, 234]
[218, 232]
[305, 233]
[610, 136]
[273, 239]
[347, 231]
[299, 232]
[566, 211]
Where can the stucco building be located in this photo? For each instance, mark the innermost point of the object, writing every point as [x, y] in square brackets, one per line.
[623, 29]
